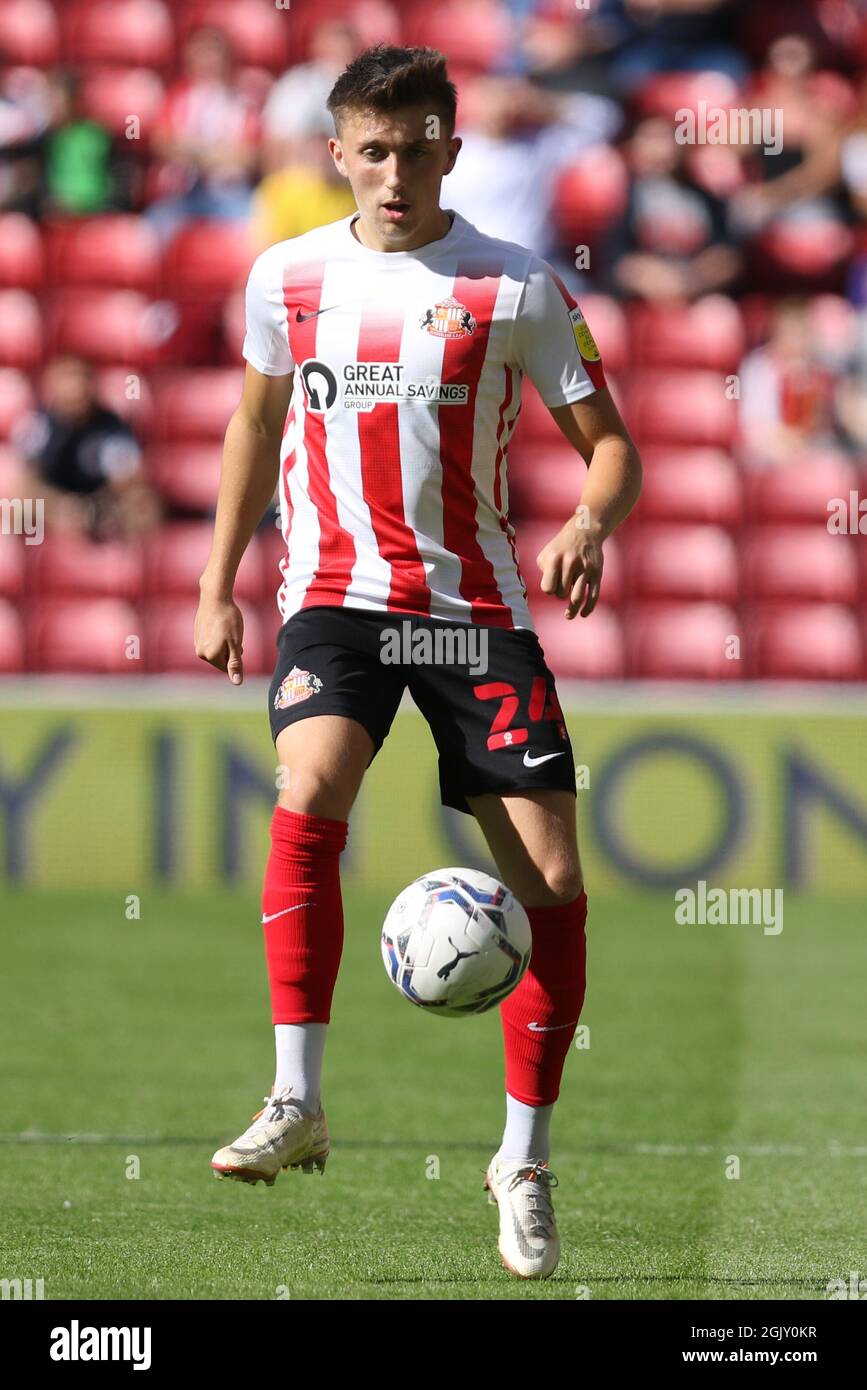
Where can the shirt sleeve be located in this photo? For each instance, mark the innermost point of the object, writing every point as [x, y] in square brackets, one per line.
[266, 345]
[551, 340]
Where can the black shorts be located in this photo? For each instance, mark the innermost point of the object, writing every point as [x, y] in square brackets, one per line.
[486, 693]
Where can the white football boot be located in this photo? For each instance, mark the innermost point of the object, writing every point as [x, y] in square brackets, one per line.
[529, 1242]
[281, 1136]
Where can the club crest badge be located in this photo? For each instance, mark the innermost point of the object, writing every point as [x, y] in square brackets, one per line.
[297, 686]
[448, 319]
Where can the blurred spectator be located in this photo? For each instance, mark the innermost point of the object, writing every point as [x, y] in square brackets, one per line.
[787, 394]
[24, 114]
[83, 459]
[516, 141]
[672, 243]
[309, 192]
[293, 111]
[207, 134]
[645, 37]
[82, 172]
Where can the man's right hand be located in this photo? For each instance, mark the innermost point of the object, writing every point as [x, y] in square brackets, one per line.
[219, 635]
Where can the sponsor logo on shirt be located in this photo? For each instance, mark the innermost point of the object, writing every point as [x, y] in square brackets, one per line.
[297, 686]
[448, 319]
[583, 337]
[365, 384]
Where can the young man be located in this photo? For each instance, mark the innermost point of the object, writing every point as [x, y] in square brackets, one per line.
[401, 334]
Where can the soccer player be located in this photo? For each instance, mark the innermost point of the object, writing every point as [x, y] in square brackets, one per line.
[396, 339]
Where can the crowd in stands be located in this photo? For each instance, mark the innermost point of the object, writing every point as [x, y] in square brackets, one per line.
[148, 150]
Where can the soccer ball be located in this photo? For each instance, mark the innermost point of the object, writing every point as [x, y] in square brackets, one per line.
[456, 942]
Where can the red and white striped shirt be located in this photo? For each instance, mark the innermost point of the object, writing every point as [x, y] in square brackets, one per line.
[408, 368]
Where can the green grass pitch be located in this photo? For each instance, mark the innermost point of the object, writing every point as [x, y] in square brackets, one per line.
[151, 1040]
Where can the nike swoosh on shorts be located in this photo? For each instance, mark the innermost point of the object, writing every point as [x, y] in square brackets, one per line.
[534, 762]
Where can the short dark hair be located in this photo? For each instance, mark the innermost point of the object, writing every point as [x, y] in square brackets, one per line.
[384, 78]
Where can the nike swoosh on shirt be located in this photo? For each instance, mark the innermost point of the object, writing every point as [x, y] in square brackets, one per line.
[282, 913]
[540, 1028]
[302, 318]
[534, 762]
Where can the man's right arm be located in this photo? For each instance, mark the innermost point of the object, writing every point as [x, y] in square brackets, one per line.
[251, 466]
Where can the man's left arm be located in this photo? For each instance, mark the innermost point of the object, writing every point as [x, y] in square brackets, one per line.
[571, 563]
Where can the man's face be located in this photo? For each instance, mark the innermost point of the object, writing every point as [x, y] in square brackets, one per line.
[395, 162]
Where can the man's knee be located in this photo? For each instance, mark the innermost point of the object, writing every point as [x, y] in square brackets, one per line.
[313, 793]
[553, 884]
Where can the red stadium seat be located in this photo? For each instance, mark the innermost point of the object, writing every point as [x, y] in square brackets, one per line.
[196, 404]
[535, 424]
[187, 475]
[683, 641]
[799, 562]
[800, 490]
[135, 32]
[113, 95]
[698, 485]
[82, 635]
[168, 644]
[608, 325]
[21, 343]
[533, 535]
[666, 93]
[803, 248]
[682, 562]
[74, 566]
[29, 33]
[104, 326]
[473, 34]
[708, 333]
[177, 552]
[13, 646]
[680, 407]
[259, 32]
[117, 251]
[546, 481]
[16, 399]
[234, 325]
[12, 472]
[808, 641]
[22, 259]
[128, 394]
[590, 195]
[208, 258]
[13, 565]
[580, 648]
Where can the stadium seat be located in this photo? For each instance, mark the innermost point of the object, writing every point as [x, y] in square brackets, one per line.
[809, 641]
[474, 34]
[800, 490]
[589, 196]
[74, 566]
[259, 32]
[666, 93]
[234, 319]
[683, 641]
[682, 562]
[176, 554]
[21, 342]
[532, 535]
[13, 565]
[16, 398]
[29, 33]
[680, 407]
[112, 95]
[580, 648]
[168, 646]
[135, 32]
[105, 326]
[802, 248]
[13, 646]
[22, 259]
[708, 333]
[84, 635]
[546, 481]
[207, 258]
[116, 251]
[697, 485]
[607, 323]
[535, 425]
[187, 475]
[799, 562]
[196, 404]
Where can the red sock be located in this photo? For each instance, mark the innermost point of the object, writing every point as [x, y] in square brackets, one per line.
[303, 945]
[551, 995]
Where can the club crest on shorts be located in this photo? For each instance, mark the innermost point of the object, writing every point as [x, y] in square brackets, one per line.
[297, 686]
[448, 319]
